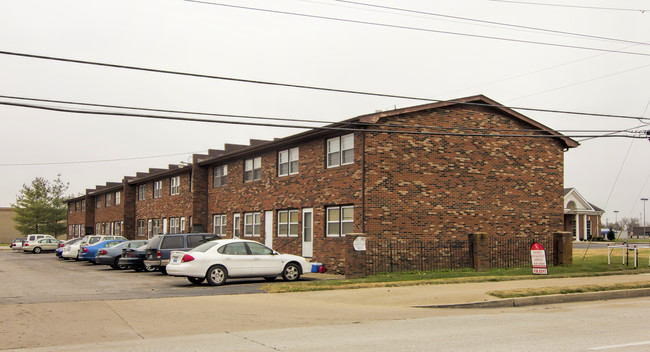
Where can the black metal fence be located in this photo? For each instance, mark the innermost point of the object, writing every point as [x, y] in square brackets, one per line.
[514, 252]
[395, 255]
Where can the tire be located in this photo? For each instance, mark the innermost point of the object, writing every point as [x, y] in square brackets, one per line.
[163, 270]
[217, 275]
[147, 268]
[37, 250]
[270, 278]
[291, 272]
[196, 280]
[117, 266]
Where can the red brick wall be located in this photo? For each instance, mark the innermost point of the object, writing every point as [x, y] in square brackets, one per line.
[449, 186]
[111, 213]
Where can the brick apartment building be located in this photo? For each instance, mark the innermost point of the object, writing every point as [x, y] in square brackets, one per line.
[302, 194]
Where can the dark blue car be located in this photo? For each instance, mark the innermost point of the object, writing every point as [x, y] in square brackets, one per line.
[89, 252]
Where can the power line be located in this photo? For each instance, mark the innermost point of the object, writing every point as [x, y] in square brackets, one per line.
[493, 22]
[94, 161]
[572, 6]
[332, 128]
[566, 46]
[290, 85]
[265, 118]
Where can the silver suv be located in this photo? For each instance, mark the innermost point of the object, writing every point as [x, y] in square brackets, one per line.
[30, 240]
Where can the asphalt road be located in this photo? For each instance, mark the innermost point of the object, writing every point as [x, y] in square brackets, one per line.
[40, 278]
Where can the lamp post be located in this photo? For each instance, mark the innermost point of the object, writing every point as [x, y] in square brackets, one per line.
[644, 200]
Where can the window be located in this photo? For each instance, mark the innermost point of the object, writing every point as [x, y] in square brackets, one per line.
[174, 185]
[288, 162]
[182, 225]
[174, 225]
[237, 248]
[70, 208]
[149, 228]
[118, 198]
[219, 175]
[172, 242]
[288, 223]
[157, 189]
[107, 201]
[340, 220]
[117, 228]
[340, 150]
[588, 228]
[107, 228]
[98, 203]
[236, 225]
[142, 227]
[76, 206]
[252, 224]
[83, 205]
[259, 249]
[219, 225]
[141, 192]
[253, 169]
[156, 227]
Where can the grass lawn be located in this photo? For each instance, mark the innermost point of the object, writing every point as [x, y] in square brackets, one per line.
[593, 264]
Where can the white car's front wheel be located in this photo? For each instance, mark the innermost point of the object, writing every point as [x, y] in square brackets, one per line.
[291, 272]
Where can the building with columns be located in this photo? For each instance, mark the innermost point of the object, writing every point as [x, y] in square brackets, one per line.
[581, 218]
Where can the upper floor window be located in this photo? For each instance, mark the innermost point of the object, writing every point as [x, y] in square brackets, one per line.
[70, 207]
[107, 201]
[76, 206]
[175, 185]
[252, 224]
[157, 189]
[118, 197]
[220, 175]
[98, 203]
[340, 220]
[83, 205]
[253, 169]
[141, 192]
[340, 150]
[288, 223]
[288, 162]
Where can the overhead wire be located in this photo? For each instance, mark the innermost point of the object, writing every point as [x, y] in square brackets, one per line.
[572, 6]
[394, 26]
[308, 87]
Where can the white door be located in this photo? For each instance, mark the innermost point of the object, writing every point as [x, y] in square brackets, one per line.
[268, 228]
[308, 232]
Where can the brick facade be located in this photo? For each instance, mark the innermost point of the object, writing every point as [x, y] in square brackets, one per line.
[442, 185]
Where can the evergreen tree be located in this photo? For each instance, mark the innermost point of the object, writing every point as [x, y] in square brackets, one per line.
[40, 207]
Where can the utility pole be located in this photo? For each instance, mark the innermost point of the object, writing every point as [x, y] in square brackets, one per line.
[644, 200]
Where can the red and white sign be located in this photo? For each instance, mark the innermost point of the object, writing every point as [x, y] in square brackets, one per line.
[538, 256]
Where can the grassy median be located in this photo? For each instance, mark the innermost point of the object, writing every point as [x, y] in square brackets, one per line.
[585, 263]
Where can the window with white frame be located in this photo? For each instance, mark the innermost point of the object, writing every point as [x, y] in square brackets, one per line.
[340, 150]
[157, 189]
[236, 225]
[107, 200]
[219, 175]
[70, 208]
[118, 197]
[182, 224]
[98, 228]
[588, 228]
[253, 169]
[174, 225]
[288, 162]
[252, 224]
[288, 223]
[340, 220]
[83, 205]
[141, 192]
[117, 228]
[98, 203]
[174, 185]
[156, 227]
[219, 225]
[142, 227]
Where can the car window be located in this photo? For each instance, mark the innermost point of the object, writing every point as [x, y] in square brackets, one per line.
[237, 248]
[112, 244]
[258, 249]
[93, 240]
[204, 247]
[170, 242]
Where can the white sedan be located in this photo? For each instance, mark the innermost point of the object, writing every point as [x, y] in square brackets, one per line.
[218, 260]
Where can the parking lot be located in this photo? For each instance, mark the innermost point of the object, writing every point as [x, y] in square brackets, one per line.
[40, 278]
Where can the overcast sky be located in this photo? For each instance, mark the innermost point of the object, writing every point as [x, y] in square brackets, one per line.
[430, 49]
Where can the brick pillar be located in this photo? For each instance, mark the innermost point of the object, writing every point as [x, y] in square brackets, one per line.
[563, 248]
[199, 196]
[89, 221]
[130, 223]
[355, 261]
[480, 251]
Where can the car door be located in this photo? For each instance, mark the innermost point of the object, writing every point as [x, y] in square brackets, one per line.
[236, 259]
[264, 262]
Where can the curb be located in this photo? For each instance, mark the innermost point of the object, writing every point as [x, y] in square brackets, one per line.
[550, 299]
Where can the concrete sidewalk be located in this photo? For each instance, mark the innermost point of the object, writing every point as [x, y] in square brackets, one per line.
[66, 323]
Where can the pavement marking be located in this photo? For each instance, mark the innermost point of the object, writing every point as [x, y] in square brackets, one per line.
[620, 346]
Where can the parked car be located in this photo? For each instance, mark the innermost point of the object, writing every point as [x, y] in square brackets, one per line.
[30, 240]
[59, 251]
[133, 258]
[17, 244]
[216, 261]
[89, 251]
[161, 246]
[111, 255]
[73, 251]
[41, 245]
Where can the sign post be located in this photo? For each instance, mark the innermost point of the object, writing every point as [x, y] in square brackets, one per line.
[538, 257]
